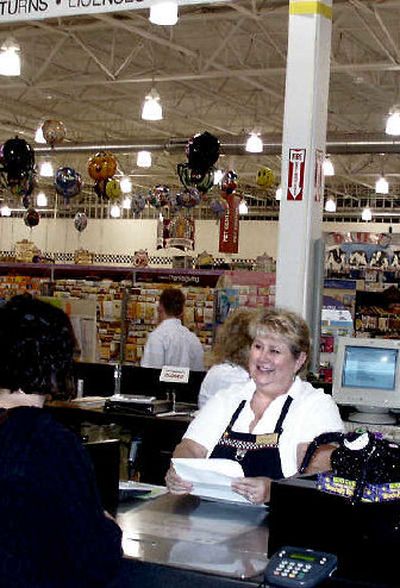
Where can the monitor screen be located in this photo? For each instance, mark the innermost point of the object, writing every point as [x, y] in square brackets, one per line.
[367, 374]
[373, 367]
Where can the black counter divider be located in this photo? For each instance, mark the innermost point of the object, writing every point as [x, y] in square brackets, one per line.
[146, 381]
[99, 380]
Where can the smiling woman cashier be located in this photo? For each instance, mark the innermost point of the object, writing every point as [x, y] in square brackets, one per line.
[267, 423]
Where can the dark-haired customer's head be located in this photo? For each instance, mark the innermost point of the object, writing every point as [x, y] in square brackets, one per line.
[37, 344]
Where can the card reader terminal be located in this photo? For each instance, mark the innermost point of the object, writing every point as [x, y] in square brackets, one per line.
[296, 566]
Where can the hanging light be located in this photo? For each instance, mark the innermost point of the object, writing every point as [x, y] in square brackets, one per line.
[39, 138]
[5, 210]
[115, 211]
[127, 202]
[243, 207]
[126, 185]
[152, 109]
[330, 205]
[10, 61]
[254, 144]
[327, 167]
[366, 214]
[41, 199]
[382, 186]
[143, 159]
[46, 169]
[278, 193]
[164, 13]
[218, 175]
[393, 122]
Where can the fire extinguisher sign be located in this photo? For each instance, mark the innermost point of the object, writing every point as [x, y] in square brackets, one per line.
[297, 162]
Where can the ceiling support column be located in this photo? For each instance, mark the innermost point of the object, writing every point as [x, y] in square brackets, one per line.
[303, 150]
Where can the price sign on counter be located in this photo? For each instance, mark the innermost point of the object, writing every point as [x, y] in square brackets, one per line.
[170, 373]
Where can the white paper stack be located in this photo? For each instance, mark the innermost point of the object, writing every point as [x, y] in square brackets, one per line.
[211, 478]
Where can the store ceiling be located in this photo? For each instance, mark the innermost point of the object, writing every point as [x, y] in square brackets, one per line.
[220, 69]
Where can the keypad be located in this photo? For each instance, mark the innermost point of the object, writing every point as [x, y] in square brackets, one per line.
[289, 569]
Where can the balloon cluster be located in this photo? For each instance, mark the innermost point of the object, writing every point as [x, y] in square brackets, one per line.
[17, 169]
[202, 152]
[101, 168]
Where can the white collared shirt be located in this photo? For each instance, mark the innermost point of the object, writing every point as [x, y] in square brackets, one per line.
[173, 344]
[311, 413]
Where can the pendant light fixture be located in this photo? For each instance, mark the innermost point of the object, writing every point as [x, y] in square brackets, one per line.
[254, 144]
[127, 203]
[366, 214]
[39, 138]
[243, 207]
[46, 169]
[381, 186]
[164, 13]
[41, 199]
[393, 122]
[10, 61]
[143, 159]
[115, 211]
[5, 210]
[330, 204]
[126, 185]
[152, 109]
[327, 167]
[278, 193]
[218, 175]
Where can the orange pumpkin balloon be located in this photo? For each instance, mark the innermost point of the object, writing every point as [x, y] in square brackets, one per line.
[102, 166]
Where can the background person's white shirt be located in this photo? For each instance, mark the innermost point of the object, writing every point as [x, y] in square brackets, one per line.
[219, 377]
[173, 344]
[311, 413]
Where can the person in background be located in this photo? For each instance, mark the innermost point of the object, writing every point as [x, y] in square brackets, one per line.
[230, 355]
[53, 530]
[171, 343]
[266, 424]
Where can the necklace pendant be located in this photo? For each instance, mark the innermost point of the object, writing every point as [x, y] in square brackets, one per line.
[240, 454]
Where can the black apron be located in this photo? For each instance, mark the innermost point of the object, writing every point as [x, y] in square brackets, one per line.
[257, 454]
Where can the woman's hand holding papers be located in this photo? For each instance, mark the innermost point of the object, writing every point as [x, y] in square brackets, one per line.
[256, 490]
[175, 484]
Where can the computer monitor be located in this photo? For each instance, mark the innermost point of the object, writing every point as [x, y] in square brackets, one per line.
[367, 376]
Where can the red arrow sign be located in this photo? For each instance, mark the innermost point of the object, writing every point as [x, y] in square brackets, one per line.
[297, 161]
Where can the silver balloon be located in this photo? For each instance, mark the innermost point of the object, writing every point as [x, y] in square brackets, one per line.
[80, 221]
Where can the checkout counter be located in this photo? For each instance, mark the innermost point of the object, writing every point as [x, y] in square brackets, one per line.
[188, 542]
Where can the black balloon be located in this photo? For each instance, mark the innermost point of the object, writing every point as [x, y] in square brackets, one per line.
[202, 152]
[31, 217]
[18, 156]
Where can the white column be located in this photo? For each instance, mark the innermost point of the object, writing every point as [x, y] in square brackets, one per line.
[303, 149]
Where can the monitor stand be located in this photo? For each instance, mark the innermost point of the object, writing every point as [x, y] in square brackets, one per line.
[372, 416]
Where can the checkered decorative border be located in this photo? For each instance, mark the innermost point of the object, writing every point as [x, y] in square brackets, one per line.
[119, 259]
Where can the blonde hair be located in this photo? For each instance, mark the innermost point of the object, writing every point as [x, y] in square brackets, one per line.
[288, 325]
[233, 340]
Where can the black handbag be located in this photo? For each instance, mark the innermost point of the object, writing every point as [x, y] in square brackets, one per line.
[360, 457]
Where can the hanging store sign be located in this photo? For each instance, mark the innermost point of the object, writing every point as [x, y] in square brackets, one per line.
[18, 10]
[229, 226]
[297, 162]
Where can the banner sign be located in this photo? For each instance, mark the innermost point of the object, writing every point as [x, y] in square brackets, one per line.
[297, 162]
[18, 10]
[229, 226]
